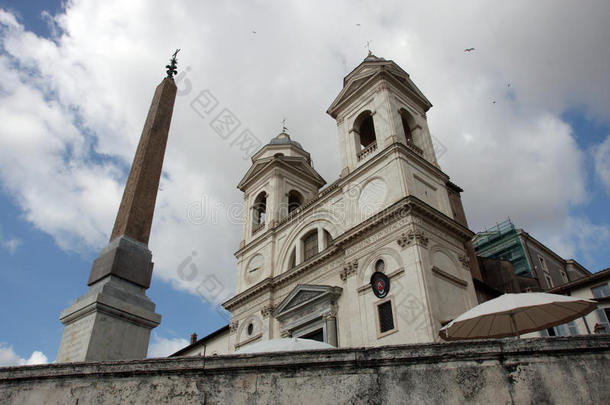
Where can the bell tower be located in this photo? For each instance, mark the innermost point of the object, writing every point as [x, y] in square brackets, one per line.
[380, 105]
[280, 181]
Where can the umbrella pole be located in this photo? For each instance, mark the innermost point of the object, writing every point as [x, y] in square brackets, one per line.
[512, 318]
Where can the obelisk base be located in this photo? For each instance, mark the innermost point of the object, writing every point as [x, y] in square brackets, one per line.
[112, 321]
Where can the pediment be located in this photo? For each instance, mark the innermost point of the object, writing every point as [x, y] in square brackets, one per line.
[367, 74]
[295, 164]
[304, 295]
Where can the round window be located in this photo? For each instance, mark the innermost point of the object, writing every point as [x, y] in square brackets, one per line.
[380, 266]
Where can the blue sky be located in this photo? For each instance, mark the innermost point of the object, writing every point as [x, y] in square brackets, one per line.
[83, 74]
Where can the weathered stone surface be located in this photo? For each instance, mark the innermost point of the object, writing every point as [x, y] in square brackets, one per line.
[125, 258]
[546, 370]
[112, 321]
[138, 204]
[114, 318]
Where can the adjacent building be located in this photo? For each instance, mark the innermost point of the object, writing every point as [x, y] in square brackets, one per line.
[595, 287]
[511, 260]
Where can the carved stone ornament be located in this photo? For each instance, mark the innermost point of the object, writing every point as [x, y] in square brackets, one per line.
[233, 327]
[384, 85]
[266, 311]
[284, 333]
[465, 260]
[332, 312]
[349, 269]
[412, 237]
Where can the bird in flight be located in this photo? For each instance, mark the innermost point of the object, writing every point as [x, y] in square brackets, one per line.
[468, 49]
[254, 32]
[358, 25]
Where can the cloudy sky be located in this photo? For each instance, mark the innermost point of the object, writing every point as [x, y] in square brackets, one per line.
[525, 120]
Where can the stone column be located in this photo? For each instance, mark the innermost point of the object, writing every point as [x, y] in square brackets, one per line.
[321, 240]
[113, 320]
[299, 252]
[331, 329]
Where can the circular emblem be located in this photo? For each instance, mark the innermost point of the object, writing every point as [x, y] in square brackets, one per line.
[380, 284]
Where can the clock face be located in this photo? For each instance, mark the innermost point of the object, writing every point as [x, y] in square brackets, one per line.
[380, 284]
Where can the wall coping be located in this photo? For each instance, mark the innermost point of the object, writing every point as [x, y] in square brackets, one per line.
[503, 350]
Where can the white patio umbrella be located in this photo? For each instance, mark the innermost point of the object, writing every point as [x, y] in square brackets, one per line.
[516, 314]
[284, 345]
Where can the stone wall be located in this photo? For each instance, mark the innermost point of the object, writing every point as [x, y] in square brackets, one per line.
[520, 371]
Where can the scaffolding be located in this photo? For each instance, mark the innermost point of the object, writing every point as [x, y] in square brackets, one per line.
[502, 242]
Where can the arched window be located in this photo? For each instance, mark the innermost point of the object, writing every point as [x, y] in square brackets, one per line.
[295, 200]
[292, 262]
[408, 123]
[328, 238]
[259, 211]
[310, 245]
[365, 128]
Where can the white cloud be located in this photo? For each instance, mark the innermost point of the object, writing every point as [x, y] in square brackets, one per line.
[601, 156]
[11, 244]
[72, 108]
[579, 235]
[163, 347]
[8, 357]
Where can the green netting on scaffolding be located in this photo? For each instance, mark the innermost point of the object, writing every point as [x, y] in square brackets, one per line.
[502, 242]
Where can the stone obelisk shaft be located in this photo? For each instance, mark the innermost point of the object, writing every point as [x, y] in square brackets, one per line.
[135, 215]
[127, 255]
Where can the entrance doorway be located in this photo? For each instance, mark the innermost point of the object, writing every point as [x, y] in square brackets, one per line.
[317, 334]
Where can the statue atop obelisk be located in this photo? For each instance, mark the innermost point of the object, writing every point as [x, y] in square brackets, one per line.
[114, 318]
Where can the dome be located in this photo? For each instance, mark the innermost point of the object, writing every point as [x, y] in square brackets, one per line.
[284, 139]
[284, 345]
[372, 58]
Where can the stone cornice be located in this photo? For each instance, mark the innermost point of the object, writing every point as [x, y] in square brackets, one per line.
[280, 146]
[513, 351]
[407, 206]
[337, 186]
[284, 162]
[382, 73]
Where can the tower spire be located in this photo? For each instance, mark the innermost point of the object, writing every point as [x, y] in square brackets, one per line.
[113, 320]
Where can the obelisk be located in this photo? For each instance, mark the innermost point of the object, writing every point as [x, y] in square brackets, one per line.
[113, 320]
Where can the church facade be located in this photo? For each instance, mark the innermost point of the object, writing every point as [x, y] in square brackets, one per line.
[381, 256]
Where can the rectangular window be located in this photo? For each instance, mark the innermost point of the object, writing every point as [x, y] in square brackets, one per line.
[602, 316]
[573, 328]
[601, 291]
[386, 317]
[564, 276]
[310, 248]
[542, 263]
[315, 335]
[567, 329]
[548, 280]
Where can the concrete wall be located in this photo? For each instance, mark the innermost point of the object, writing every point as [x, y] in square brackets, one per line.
[509, 371]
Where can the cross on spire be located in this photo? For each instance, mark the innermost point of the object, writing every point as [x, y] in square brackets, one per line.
[368, 46]
[284, 128]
